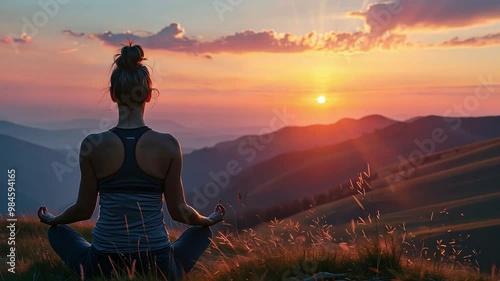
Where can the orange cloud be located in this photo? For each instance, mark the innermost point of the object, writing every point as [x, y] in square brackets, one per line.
[360, 41]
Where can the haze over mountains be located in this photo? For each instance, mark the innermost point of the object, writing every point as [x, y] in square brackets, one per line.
[59, 135]
[251, 149]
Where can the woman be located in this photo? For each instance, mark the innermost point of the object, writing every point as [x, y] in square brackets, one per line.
[132, 168]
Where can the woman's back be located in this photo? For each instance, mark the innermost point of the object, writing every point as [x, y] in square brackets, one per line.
[131, 169]
[153, 153]
[130, 165]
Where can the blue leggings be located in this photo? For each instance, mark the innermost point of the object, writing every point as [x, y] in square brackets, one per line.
[170, 263]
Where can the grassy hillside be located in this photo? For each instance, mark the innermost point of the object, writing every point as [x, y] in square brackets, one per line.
[251, 256]
[440, 224]
[454, 197]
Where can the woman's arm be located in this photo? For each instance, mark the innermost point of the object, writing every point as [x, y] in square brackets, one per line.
[177, 207]
[84, 206]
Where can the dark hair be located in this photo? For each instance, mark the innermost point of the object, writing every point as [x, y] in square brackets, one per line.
[130, 79]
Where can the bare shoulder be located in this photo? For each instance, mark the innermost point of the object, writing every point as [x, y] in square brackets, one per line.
[96, 143]
[92, 142]
[168, 142]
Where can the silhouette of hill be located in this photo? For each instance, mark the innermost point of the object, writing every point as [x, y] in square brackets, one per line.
[37, 182]
[251, 149]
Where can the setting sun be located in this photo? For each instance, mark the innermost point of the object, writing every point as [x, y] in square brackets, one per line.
[321, 99]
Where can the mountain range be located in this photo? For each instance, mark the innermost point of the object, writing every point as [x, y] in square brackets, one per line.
[59, 135]
[292, 175]
[289, 164]
[249, 150]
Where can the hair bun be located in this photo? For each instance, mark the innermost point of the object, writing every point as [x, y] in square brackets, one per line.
[130, 57]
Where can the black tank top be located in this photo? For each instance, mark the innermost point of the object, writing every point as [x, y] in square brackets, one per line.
[130, 178]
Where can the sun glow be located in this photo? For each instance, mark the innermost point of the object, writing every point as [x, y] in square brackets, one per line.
[321, 99]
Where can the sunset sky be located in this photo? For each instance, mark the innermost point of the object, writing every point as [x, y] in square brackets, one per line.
[228, 63]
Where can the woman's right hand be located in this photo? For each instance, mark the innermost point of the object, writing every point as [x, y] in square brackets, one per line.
[45, 216]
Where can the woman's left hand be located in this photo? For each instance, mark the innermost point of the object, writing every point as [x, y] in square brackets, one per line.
[219, 208]
[45, 216]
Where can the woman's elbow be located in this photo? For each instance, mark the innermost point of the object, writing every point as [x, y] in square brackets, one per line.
[178, 212]
[178, 217]
[84, 213]
[87, 216]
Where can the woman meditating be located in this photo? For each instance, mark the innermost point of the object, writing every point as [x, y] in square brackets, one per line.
[132, 169]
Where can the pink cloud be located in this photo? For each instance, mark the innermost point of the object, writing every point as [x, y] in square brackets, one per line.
[16, 40]
[408, 14]
[480, 41]
[386, 21]
[170, 38]
[173, 38]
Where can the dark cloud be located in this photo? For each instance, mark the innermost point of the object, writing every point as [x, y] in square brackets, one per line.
[75, 34]
[409, 14]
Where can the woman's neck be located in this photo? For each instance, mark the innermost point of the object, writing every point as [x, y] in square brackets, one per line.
[130, 118]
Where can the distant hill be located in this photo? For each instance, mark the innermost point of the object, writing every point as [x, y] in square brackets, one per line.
[83, 123]
[36, 181]
[58, 135]
[251, 149]
[291, 176]
[413, 119]
[95, 123]
[53, 139]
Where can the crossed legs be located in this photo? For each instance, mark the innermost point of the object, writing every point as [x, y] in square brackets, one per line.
[76, 252]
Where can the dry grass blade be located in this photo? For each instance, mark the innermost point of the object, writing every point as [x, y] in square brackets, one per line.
[368, 172]
[225, 240]
[359, 203]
